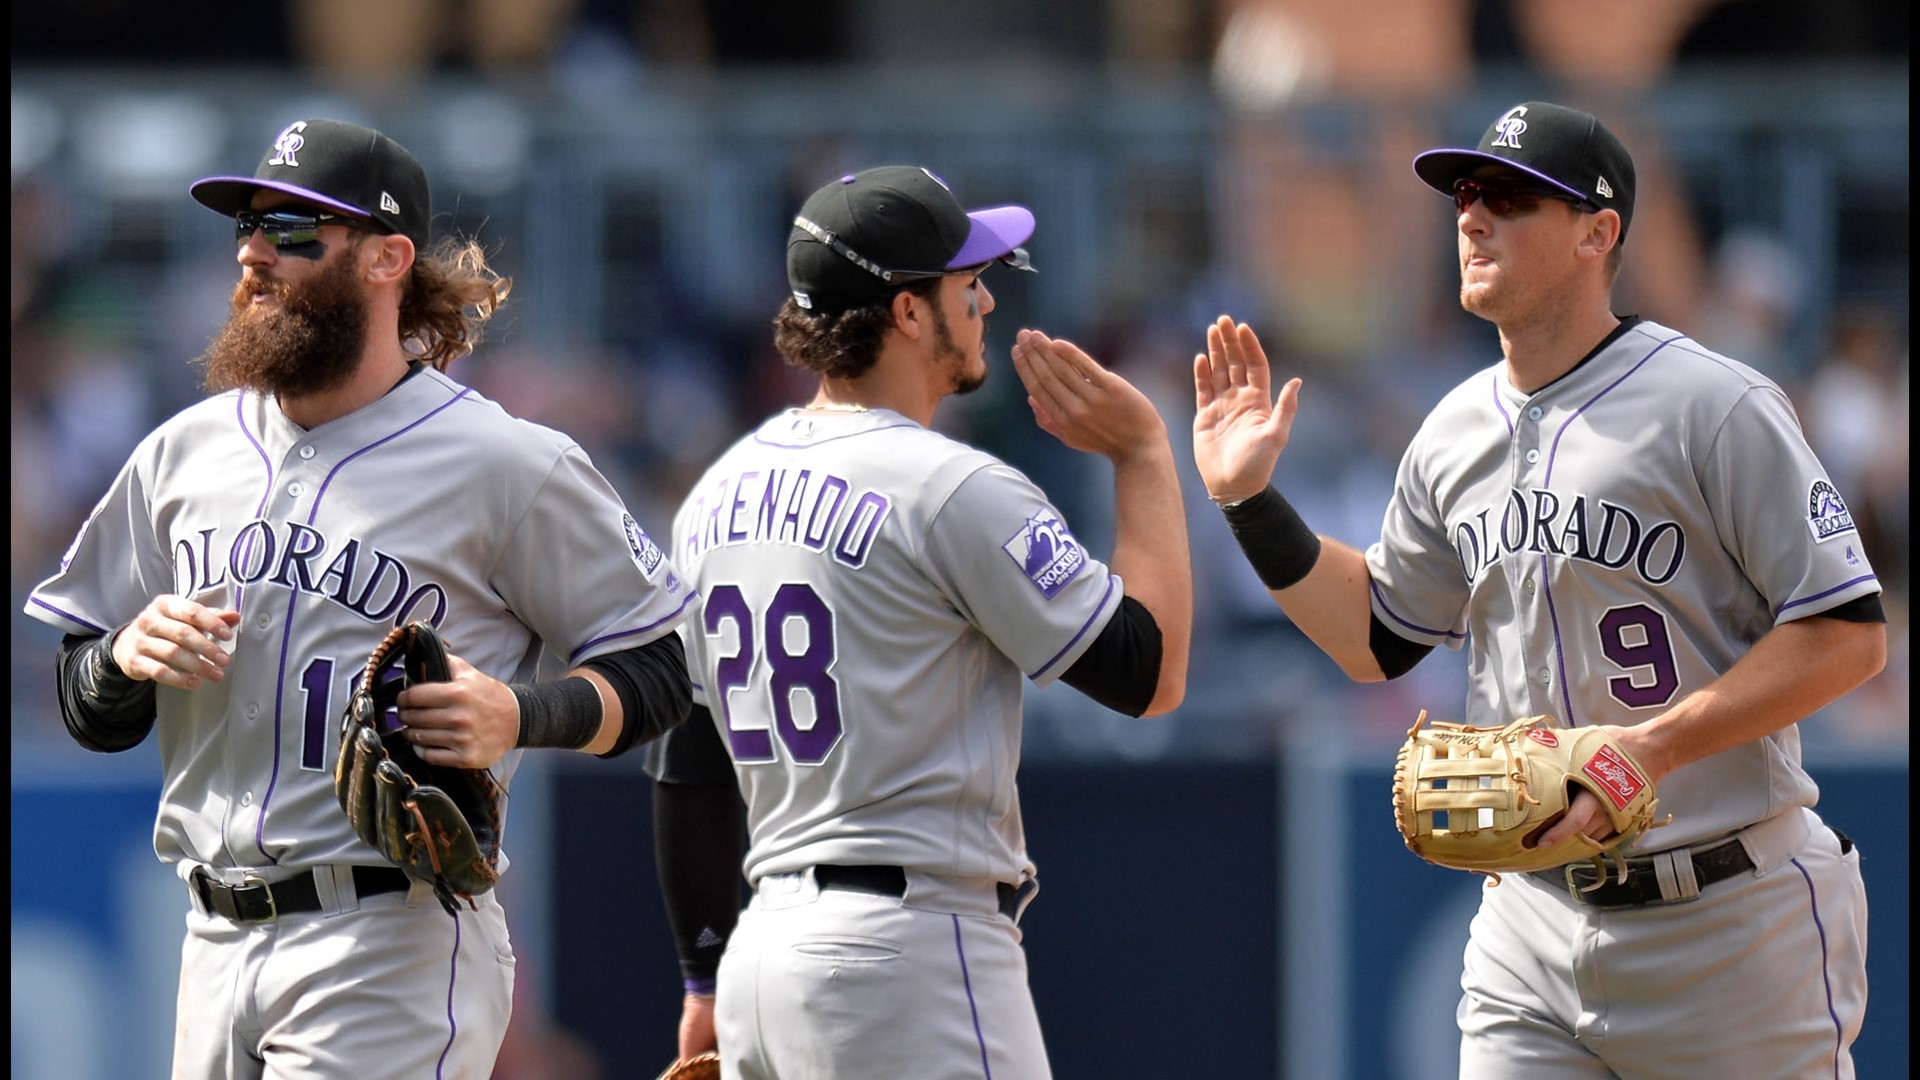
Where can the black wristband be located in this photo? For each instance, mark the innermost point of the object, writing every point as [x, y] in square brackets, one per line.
[1276, 541]
[564, 714]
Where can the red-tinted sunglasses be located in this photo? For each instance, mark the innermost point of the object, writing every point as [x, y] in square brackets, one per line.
[1506, 197]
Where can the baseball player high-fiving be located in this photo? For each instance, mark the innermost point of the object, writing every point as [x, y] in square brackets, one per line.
[230, 585]
[875, 597]
[1626, 529]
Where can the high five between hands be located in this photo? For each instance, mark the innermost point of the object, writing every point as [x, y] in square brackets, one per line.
[1239, 429]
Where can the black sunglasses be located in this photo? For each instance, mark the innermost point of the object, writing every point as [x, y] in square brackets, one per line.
[1503, 197]
[1017, 258]
[289, 228]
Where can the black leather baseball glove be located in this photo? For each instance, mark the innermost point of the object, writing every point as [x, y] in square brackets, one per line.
[440, 824]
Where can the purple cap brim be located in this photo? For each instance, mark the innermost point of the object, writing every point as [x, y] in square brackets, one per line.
[1438, 169]
[231, 194]
[996, 231]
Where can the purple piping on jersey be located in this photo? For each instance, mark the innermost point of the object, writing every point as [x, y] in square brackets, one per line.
[1826, 979]
[1499, 405]
[1374, 587]
[966, 980]
[266, 462]
[1546, 578]
[453, 1026]
[293, 598]
[1559, 653]
[1084, 627]
[636, 630]
[1829, 592]
[66, 615]
[833, 438]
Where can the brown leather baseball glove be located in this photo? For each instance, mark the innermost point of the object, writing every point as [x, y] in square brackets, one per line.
[1477, 799]
[698, 1067]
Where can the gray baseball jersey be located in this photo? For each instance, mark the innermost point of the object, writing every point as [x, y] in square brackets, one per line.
[874, 596]
[430, 503]
[1618, 539]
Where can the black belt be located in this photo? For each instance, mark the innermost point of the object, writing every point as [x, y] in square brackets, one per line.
[257, 901]
[892, 881]
[1642, 885]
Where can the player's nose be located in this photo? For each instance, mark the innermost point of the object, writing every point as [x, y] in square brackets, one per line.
[984, 296]
[256, 250]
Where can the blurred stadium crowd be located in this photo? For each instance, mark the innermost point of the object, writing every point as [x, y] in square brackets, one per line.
[632, 165]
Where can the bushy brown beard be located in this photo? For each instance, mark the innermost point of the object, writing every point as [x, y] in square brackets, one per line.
[307, 343]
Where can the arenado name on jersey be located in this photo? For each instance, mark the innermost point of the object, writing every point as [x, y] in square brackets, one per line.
[786, 506]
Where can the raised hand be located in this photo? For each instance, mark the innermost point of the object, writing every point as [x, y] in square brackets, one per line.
[1238, 429]
[1082, 404]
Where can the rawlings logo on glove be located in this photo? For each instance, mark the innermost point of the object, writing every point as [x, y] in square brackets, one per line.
[1478, 799]
[440, 824]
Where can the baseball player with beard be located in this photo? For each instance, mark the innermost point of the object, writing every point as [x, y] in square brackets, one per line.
[1629, 530]
[875, 597]
[255, 549]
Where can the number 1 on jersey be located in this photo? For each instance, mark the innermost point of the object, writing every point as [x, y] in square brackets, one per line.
[791, 671]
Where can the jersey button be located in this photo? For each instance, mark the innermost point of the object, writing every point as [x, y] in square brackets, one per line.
[1545, 674]
[246, 798]
[307, 451]
[1533, 458]
[1527, 584]
[296, 489]
[1534, 413]
[253, 711]
[263, 621]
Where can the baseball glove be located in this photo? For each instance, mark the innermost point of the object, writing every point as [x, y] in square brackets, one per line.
[439, 824]
[698, 1067]
[1475, 798]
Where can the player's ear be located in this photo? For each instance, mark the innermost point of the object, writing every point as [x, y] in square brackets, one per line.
[1603, 233]
[910, 313]
[390, 260]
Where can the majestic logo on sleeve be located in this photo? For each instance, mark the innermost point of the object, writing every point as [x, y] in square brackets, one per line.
[1827, 513]
[1511, 127]
[286, 148]
[645, 551]
[1048, 554]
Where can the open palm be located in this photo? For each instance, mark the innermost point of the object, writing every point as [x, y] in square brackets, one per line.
[1238, 429]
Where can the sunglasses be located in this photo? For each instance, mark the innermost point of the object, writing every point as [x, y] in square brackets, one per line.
[289, 228]
[1017, 258]
[1508, 197]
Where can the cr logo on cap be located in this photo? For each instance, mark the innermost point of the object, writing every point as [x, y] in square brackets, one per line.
[1511, 127]
[289, 144]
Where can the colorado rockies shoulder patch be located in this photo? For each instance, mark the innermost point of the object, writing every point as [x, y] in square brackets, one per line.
[1827, 513]
[1046, 552]
[644, 550]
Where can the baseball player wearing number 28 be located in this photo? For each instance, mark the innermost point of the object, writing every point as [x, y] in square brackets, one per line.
[875, 596]
[1627, 530]
[229, 588]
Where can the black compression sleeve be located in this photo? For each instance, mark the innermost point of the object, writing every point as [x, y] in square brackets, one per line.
[1121, 669]
[1395, 654]
[699, 841]
[566, 713]
[1277, 543]
[651, 681]
[691, 753]
[1859, 609]
[103, 708]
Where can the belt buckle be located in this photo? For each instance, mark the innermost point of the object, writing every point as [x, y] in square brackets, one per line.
[252, 883]
[1573, 881]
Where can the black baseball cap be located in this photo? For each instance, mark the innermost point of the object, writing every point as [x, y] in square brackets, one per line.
[865, 234]
[345, 167]
[1563, 147]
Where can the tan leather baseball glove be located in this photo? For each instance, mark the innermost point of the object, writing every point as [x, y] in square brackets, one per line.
[1474, 798]
[698, 1067]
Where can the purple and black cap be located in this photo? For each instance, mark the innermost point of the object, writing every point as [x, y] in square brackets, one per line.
[339, 166]
[1563, 148]
[864, 235]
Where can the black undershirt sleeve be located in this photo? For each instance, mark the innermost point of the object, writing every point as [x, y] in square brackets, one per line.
[1121, 669]
[103, 709]
[699, 842]
[1395, 654]
[1859, 609]
[651, 681]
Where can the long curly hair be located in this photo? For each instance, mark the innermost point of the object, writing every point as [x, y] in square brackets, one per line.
[450, 294]
[839, 344]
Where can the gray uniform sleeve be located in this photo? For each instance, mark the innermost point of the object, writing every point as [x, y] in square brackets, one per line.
[581, 571]
[115, 563]
[1006, 558]
[1418, 590]
[1777, 512]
